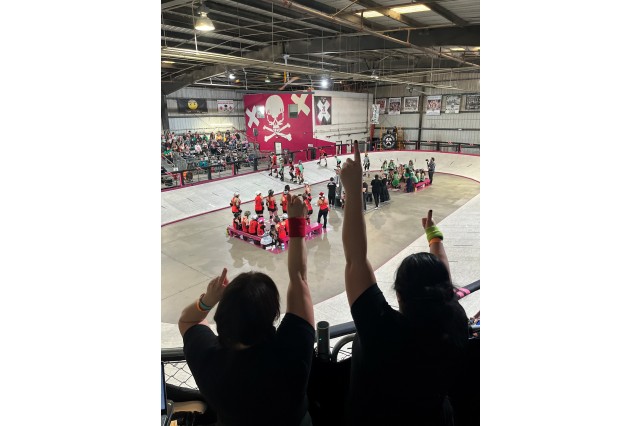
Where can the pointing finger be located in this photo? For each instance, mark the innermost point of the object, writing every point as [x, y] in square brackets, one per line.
[356, 151]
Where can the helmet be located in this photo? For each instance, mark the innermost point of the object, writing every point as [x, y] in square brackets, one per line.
[285, 216]
[271, 192]
[261, 219]
[258, 192]
[235, 194]
[254, 217]
[247, 213]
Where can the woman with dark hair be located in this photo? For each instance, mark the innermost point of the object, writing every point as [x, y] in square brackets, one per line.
[404, 362]
[251, 373]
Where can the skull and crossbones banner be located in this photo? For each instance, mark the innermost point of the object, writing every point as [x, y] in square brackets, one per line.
[279, 118]
[323, 110]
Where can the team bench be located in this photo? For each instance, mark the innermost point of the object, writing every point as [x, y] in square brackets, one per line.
[315, 228]
[421, 184]
[234, 232]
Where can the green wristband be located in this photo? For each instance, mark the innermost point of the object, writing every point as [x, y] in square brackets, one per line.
[203, 305]
[433, 232]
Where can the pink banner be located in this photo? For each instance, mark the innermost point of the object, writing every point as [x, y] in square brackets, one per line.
[285, 118]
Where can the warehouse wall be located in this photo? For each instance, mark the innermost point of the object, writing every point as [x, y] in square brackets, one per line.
[462, 127]
[206, 122]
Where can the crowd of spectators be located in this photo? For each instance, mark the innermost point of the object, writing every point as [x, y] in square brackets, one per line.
[220, 149]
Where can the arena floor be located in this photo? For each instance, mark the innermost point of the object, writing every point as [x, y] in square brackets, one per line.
[195, 249]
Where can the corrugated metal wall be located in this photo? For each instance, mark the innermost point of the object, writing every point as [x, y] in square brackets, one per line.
[211, 121]
[350, 112]
[461, 127]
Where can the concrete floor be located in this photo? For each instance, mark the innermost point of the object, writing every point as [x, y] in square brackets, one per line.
[195, 250]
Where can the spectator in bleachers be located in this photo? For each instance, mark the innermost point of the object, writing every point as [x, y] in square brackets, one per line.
[252, 373]
[403, 362]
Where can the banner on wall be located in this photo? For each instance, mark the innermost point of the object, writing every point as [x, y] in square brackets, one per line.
[269, 119]
[434, 104]
[382, 103]
[192, 105]
[452, 104]
[225, 106]
[473, 103]
[410, 104]
[375, 114]
[394, 106]
[323, 110]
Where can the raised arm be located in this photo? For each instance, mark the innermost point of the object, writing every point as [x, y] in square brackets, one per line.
[298, 295]
[435, 237]
[358, 273]
[196, 313]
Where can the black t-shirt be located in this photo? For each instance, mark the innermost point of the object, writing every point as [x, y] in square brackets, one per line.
[265, 384]
[332, 189]
[376, 186]
[365, 186]
[400, 375]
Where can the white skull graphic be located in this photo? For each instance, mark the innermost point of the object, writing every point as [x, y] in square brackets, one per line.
[275, 111]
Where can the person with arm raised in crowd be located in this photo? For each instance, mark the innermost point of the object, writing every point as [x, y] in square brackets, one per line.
[251, 372]
[403, 362]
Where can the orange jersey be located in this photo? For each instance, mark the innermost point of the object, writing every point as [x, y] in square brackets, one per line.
[323, 203]
[282, 232]
[258, 203]
[235, 202]
[245, 224]
[272, 202]
[253, 227]
[284, 202]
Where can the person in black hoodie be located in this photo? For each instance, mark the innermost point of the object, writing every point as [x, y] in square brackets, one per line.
[376, 190]
[332, 192]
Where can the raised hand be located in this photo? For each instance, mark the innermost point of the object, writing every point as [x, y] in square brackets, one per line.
[296, 207]
[351, 173]
[216, 288]
[427, 222]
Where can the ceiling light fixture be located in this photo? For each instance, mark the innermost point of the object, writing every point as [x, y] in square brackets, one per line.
[410, 9]
[370, 14]
[374, 75]
[324, 83]
[267, 80]
[203, 23]
[231, 76]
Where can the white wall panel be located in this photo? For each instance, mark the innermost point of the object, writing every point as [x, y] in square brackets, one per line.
[349, 118]
[206, 123]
